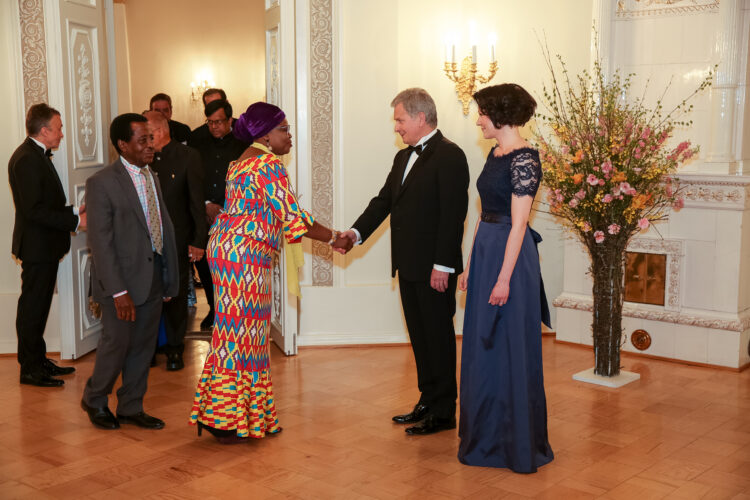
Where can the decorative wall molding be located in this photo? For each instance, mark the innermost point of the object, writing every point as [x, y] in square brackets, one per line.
[719, 191]
[34, 52]
[675, 251]
[738, 323]
[321, 86]
[83, 59]
[629, 9]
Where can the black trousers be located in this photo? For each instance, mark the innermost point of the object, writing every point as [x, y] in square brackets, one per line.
[176, 310]
[126, 347]
[204, 273]
[429, 319]
[37, 287]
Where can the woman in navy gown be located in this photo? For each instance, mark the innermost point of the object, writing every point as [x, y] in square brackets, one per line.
[503, 419]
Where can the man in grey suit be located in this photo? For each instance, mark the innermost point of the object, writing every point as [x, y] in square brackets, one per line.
[134, 269]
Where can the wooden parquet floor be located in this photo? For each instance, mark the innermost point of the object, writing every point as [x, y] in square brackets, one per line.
[679, 432]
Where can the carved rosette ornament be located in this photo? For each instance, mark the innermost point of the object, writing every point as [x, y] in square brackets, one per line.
[640, 339]
[321, 53]
[33, 52]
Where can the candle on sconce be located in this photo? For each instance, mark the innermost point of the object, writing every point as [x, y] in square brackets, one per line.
[453, 54]
[474, 54]
[492, 53]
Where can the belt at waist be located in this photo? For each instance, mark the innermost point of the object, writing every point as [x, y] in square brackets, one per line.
[495, 218]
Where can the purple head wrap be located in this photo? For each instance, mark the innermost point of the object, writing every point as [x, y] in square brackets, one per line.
[259, 119]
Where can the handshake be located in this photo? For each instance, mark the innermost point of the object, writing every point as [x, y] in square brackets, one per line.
[344, 242]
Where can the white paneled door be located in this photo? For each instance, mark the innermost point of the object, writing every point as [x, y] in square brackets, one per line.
[79, 89]
[279, 26]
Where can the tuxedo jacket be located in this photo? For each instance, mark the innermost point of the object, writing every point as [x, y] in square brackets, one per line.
[43, 221]
[120, 241]
[427, 211]
[181, 179]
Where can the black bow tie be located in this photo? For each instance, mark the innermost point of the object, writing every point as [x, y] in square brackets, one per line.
[416, 149]
[48, 153]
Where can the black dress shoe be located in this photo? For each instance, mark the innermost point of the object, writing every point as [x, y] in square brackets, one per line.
[417, 414]
[208, 321]
[141, 419]
[431, 424]
[174, 362]
[40, 379]
[101, 417]
[53, 370]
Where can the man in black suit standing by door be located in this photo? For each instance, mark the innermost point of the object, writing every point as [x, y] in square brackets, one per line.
[426, 196]
[41, 237]
[181, 177]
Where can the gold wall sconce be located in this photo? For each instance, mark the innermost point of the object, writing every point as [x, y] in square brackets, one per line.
[197, 89]
[466, 78]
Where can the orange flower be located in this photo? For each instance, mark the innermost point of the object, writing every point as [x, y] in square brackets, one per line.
[619, 177]
[640, 201]
[579, 156]
[577, 178]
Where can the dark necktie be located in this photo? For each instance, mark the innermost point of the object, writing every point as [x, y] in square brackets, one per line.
[48, 153]
[154, 223]
[416, 149]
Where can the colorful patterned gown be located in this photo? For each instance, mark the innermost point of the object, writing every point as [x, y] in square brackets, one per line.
[235, 391]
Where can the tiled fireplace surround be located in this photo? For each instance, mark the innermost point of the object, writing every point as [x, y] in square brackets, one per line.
[706, 316]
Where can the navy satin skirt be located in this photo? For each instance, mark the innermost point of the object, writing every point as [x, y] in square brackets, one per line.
[503, 420]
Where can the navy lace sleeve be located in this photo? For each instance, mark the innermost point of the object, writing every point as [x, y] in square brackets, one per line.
[525, 174]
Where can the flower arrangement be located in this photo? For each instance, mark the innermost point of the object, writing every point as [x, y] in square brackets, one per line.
[609, 172]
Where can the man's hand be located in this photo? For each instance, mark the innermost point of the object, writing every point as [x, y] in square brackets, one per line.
[82, 208]
[439, 280]
[194, 253]
[212, 211]
[342, 244]
[82, 221]
[125, 307]
[345, 241]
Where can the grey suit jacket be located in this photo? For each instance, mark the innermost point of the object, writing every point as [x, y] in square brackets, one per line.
[119, 239]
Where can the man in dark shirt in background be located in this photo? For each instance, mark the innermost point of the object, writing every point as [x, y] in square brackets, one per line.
[217, 149]
[163, 104]
[201, 133]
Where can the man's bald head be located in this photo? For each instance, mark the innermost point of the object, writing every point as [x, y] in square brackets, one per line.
[159, 127]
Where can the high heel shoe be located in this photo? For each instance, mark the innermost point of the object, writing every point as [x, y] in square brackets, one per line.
[221, 435]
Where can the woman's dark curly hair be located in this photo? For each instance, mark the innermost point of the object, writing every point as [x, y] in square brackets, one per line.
[506, 104]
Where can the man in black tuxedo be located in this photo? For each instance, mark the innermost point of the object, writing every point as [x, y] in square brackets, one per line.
[181, 177]
[163, 104]
[426, 196]
[41, 237]
[201, 132]
[217, 149]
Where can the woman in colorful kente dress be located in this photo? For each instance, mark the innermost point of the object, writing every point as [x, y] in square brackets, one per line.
[503, 407]
[234, 399]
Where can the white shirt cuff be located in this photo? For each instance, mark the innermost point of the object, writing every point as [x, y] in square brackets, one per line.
[119, 294]
[444, 269]
[359, 237]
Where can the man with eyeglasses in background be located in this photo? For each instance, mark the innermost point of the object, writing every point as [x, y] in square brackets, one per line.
[217, 149]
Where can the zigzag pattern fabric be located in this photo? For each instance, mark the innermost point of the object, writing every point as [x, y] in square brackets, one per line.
[235, 390]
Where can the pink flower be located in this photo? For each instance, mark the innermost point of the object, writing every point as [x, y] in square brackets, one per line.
[559, 197]
[682, 147]
[599, 236]
[627, 189]
[581, 194]
[586, 227]
[573, 203]
[641, 144]
[565, 150]
[613, 229]
[678, 203]
[643, 223]
[601, 182]
[607, 167]
[646, 133]
[607, 198]
[592, 179]
[669, 190]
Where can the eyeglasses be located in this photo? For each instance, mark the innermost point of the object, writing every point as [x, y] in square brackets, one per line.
[215, 123]
[284, 128]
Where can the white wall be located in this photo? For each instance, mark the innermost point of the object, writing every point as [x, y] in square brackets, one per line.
[171, 43]
[383, 48]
